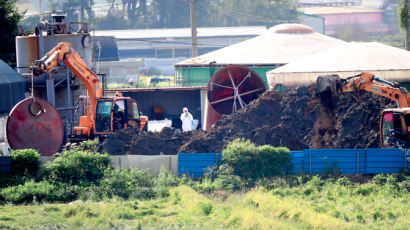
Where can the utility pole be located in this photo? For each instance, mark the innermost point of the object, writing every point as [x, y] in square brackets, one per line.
[193, 28]
[41, 10]
[404, 22]
[406, 28]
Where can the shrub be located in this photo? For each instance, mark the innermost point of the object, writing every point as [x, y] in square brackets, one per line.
[241, 155]
[39, 191]
[224, 178]
[273, 161]
[88, 145]
[77, 167]
[127, 183]
[25, 162]
[379, 179]
[206, 208]
[166, 179]
[253, 162]
[365, 190]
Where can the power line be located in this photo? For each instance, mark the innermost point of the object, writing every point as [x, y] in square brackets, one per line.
[78, 9]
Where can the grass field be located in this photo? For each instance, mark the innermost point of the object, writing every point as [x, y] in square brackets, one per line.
[315, 205]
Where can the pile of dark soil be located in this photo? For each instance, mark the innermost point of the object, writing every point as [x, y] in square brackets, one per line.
[295, 119]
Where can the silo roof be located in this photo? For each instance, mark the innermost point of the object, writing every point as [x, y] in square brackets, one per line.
[384, 61]
[278, 45]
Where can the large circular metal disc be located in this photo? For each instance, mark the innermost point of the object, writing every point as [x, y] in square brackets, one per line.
[233, 87]
[36, 125]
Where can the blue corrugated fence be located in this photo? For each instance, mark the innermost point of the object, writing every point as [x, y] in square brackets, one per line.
[316, 161]
[349, 161]
[195, 164]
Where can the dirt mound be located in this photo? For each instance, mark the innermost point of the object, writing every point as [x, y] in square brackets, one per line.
[294, 119]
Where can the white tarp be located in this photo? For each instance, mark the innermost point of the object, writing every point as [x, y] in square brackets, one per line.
[278, 45]
[383, 61]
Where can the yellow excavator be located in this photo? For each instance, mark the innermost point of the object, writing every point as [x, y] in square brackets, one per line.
[394, 122]
[103, 115]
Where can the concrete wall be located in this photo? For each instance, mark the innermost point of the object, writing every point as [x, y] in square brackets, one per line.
[153, 163]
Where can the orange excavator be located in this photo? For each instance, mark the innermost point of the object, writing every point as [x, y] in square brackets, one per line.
[394, 122]
[103, 115]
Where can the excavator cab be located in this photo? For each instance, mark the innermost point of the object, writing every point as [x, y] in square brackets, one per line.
[117, 113]
[394, 128]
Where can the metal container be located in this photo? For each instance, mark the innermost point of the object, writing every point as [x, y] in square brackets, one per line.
[28, 48]
[35, 123]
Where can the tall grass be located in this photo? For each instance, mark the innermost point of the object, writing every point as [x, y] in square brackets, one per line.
[316, 204]
[104, 198]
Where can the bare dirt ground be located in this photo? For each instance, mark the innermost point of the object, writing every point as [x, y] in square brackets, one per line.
[295, 119]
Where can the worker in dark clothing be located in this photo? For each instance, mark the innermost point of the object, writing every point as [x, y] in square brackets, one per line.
[118, 118]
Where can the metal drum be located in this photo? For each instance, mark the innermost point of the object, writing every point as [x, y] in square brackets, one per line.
[36, 124]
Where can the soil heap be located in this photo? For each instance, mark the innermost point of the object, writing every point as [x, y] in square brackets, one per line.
[295, 119]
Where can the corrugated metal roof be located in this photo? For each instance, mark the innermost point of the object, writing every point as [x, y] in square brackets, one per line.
[278, 45]
[324, 10]
[109, 49]
[182, 32]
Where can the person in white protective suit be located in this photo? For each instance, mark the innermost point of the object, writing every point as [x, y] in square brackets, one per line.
[186, 118]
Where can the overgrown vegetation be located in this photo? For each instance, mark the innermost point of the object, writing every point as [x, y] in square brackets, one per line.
[258, 195]
[78, 174]
[144, 82]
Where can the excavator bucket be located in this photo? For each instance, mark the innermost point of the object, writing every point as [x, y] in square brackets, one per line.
[325, 87]
[327, 84]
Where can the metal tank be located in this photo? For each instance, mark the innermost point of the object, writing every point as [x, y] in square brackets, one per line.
[28, 48]
[35, 123]
[61, 89]
[230, 89]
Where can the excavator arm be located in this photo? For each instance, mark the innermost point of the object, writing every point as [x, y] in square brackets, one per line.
[63, 53]
[364, 81]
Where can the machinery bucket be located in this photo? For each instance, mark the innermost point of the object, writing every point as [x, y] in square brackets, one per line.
[325, 87]
[327, 84]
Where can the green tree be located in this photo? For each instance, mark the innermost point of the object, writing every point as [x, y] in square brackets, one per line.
[404, 21]
[9, 19]
[135, 8]
[75, 7]
[175, 13]
[245, 12]
[171, 13]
